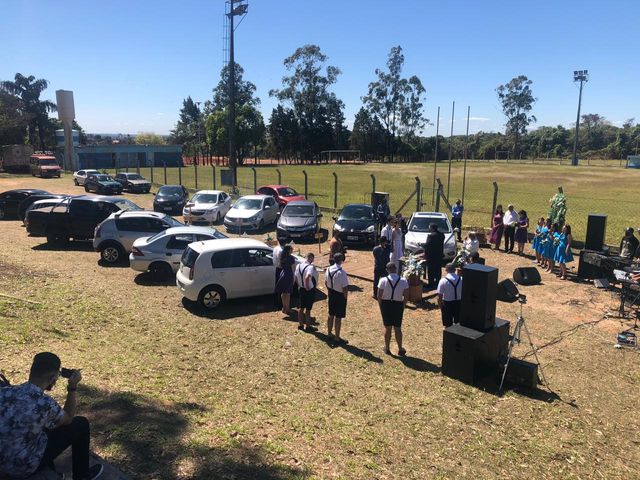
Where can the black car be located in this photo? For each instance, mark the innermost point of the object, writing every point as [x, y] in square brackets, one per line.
[133, 182]
[356, 224]
[103, 184]
[31, 199]
[10, 200]
[171, 199]
[299, 219]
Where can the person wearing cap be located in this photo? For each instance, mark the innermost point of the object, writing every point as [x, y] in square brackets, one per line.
[393, 293]
[35, 430]
[456, 218]
[337, 283]
[509, 220]
[381, 256]
[449, 295]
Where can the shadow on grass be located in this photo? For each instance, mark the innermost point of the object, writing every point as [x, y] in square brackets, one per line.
[239, 307]
[353, 350]
[149, 438]
[74, 246]
[148, 279]
[418, 364]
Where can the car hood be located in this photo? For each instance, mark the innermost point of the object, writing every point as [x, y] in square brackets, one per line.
[355, 225]
[110, 183]
[293, 199]
[286, 221]
[420, 238]
[169, 199]
[141, 242]
[237, 213]
[204, 206]
[138, 182]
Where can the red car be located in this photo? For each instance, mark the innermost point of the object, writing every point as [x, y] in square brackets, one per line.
[282, 193]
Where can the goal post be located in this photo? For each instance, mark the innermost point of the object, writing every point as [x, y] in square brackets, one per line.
[340, 156]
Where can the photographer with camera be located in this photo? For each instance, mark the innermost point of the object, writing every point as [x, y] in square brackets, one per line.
[35, 430]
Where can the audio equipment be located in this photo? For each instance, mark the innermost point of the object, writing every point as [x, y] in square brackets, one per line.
[526, 276]
[507, 291]
[479, 289]
[522, 374]
[596, 229]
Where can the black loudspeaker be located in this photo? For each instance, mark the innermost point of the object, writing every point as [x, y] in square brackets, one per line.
[521, 373]
[507, 291]
[596, 229]
[479, 288]
[526, 276]
[589, 265]
[468, 355]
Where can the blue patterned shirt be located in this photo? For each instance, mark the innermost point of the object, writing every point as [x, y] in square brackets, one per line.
[25, 412]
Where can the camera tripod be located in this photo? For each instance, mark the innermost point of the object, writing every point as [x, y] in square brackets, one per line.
[515, 339]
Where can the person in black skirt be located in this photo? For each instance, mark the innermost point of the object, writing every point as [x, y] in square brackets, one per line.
[393, 293]
[337, 283]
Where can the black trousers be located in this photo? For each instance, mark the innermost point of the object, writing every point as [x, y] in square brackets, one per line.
[378, 273]
[450, 313]
[456, 222]
[74, 435]
[434, 272]
[277, 298]
[509, 234]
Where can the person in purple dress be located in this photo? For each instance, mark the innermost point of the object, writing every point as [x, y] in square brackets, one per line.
[498, 228]
[521, 231]
[284, 286]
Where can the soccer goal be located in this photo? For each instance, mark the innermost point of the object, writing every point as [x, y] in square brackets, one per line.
[503, 155]
[340, 156]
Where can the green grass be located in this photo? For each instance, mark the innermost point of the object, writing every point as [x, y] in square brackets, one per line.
[590, 189]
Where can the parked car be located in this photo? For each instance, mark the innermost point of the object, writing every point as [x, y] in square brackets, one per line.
[76, 218]
[356, 224]
[44, 166]
[81, 175]
[103, 184]
[418, 230]
[114, 236]
[252, 212]
[214, 271]
[24, 205]
[161, 253]
[206, 207]
[299, 219]
[11, 199]
[49, 203]
[282, 193]
[171, 199]
[133, 182]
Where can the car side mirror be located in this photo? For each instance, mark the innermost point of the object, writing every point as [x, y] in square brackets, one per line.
[278, 213]
[456, 229]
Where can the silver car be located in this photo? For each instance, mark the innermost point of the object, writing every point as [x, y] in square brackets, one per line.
[114, 237]
[80, 176]
[206, 207]
[161, 253]
[252, 212]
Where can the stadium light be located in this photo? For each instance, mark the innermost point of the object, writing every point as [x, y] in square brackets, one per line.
[581, 76]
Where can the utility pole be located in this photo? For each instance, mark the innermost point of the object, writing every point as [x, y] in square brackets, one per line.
[435, 159]
[578, 76]
[198, 149]
[453, 111]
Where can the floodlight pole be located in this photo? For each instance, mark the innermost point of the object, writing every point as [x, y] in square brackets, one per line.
[581, 76]
[435, 159]
[232, 100]
[453, 111]
[466, 154]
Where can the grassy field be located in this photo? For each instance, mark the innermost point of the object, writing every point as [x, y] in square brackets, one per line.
[590, 189]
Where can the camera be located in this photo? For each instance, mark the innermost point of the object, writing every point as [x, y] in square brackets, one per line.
[66, 372]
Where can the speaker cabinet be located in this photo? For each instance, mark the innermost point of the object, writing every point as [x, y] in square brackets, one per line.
[507, 291]
[479, 289]
[521, 373]
[589, 266]
[596, 230]
[526, 276]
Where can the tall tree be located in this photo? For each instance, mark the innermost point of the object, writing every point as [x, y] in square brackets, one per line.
[397, 102]
[517, 101]
[29, 89]
[307, 90]
[367, 135]
[13, 120]
[283, 132]
[186, 130]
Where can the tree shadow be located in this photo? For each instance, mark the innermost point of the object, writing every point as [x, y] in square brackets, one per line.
[353, 350]
[148, 438]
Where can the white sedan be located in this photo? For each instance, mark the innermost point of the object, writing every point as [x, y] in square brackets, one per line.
[418, 231]
[160, 254]
[206, 207]
[80, 176]
[252, 212]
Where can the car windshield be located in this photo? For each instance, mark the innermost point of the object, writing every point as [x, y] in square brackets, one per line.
[174, 223]
[169, 191]
[287, 192]
[298, 211]
[153, 238]
[205, 198]
[49, 162]
[134, 176]
[357, 212]
[104, 178]
[248, 204]
[124, 204]
[421, 224]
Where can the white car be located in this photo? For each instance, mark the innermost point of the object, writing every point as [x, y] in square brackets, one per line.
[206, 207]
[418, 231]
[252, 212]
[161, 253]
[81, 175]
[214, 271]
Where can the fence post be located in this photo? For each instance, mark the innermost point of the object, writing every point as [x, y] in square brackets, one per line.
[213, 169]
[495, 201]
[560, 190]
[151, 173]
[195, 174]
[305, 184]
[179, 174]
[438, 194]
[255, 179]
[279, 176]
[335, 190]
[373, 186]
[126, 168]
[165, 173]
[418, 195]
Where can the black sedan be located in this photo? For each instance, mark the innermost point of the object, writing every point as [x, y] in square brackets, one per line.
[133, 182]
[31, 199]
[171, 199]
[11, 199]
[102, 184]
[356, 224]
[299, 219]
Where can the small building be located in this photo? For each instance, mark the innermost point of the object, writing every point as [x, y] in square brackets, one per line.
[121, 156]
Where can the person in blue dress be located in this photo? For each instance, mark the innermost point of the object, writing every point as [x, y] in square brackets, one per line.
[563, 252]
[550, 247]
[536, 240]
[542, 243]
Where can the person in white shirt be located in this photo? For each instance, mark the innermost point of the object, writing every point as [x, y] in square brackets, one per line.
[471, 243]
[386, 230]
[397, 245]
[449, 295]
[306, 277]
[337, 283]
[510, 220]
[393, 293]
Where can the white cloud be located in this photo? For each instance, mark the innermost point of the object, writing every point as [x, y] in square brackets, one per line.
[160, 114]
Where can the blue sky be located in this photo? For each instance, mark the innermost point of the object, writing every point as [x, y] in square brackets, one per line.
[130, 63]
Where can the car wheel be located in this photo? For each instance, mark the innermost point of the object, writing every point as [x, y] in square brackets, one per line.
[86, 189]
[112, 253]
[57, 237]
[75, 182]
[161, 270]
[212, 297]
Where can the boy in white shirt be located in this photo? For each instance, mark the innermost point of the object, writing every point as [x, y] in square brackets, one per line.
[393, 293]
[337, 283]
[306, 276]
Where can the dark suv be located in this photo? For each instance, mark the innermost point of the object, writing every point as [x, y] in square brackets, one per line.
[103, 184]
[133, 182]
[171, 199]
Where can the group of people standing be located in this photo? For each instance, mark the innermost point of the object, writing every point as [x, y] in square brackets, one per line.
[512, 226]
